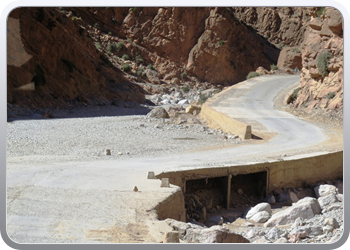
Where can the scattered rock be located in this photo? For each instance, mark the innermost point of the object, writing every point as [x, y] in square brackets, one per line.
[274, 234]
[214, 234]
[305, 208]
[331, 222]
[172, 237]
[153, 76]
[259, 208]
[158, 112]
[135, 189]
[107, 152]
[326, 200]
[324, 190]
[261, 217]
[192, 108]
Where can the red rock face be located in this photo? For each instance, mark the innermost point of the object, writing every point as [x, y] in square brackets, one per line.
[53, 54]
[282, 26]
[57, 56]
[322, 90]
[227, 50]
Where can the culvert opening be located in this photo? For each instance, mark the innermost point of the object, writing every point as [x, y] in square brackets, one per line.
[248, 189]
[227, 196]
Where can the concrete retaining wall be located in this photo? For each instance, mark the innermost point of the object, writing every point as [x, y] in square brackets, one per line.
[218, 120]
[172, 207]
[280, 174]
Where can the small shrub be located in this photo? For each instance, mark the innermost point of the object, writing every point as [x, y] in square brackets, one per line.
[110, 33]
[296, 49]
[116, 58]
[186, 89]
[252, 74]
[125, 57]
[74, 18]
[322, 63]
[115, 22]
[139, 59]
[294, 95]
[60, 9]
[183, 75]
[111, 47]
[98, 45]
[274, 67]
[96, 26]
[132, 10]
[150, 66]
[128, 40]
[120, 45]
[330, 95]
[126, 67]
[202, 99]
[320, 11]
[221, 42]
[139, 71]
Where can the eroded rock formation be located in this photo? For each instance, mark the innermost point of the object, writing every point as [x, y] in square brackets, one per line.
[322, 60]
[97, 55]
[52, 61]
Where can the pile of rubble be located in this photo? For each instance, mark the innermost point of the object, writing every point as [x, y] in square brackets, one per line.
[317, 218]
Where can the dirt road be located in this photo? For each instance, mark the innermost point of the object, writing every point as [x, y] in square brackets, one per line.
[62, 194]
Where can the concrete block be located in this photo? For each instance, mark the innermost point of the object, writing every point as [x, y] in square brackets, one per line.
[151, 175]
[165, 182]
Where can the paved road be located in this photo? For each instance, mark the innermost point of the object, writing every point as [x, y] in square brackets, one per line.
[70, 202]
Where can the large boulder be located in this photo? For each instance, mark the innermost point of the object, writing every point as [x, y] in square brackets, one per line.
[153, 76]
[305, 208]
[259, 208]
[324, 190]
[261, 217]
[158, 112]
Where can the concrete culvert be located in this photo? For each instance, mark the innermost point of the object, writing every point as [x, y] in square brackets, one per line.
[204, 197]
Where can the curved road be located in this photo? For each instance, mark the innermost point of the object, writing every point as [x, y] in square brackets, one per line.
[90, 201]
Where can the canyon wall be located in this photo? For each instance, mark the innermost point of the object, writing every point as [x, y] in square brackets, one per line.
[95, 55]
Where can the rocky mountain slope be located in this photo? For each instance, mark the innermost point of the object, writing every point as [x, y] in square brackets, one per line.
[322, 60]
[98, 55]
[51, 61]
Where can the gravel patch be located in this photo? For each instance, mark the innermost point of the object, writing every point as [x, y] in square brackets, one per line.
[87, 137]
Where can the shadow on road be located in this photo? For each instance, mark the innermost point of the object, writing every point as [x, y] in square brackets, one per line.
[77, 111]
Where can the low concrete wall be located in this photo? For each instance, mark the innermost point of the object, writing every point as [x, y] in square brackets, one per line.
[218, 120]
[172, 207]
[280, 174]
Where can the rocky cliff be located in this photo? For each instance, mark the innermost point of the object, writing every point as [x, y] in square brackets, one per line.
[52, 61]
[96, 55]
[322, 61]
